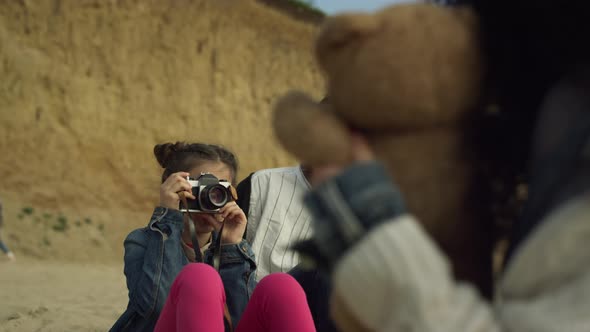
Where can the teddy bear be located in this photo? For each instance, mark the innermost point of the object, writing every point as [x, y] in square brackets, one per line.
[407, 78]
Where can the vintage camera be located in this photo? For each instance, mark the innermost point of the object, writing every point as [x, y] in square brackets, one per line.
[211, 194]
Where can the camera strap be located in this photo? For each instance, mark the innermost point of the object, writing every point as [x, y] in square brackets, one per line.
[217, 250]
[196, 246]
[188, 218]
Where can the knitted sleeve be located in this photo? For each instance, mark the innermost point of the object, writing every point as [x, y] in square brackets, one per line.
[396, 279]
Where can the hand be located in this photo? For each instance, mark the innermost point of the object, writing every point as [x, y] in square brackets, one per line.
[234, 221]
[175, 184]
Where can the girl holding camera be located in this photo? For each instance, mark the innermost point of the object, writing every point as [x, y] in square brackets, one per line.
[166, 293]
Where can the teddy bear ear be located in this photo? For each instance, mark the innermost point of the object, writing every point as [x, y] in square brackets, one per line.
[310, 131]
[341, 30]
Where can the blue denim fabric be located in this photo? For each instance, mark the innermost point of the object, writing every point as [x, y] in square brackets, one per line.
[346, 207]
[154, 257]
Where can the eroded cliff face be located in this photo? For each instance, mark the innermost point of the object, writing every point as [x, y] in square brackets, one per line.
[89, 87]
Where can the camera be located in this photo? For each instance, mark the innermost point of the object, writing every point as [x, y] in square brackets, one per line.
[211, 194]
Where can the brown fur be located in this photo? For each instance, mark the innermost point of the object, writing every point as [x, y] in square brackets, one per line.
[407, 76]
[415, 66]
[298, 136]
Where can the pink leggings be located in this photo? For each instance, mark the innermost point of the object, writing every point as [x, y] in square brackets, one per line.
[196, 299]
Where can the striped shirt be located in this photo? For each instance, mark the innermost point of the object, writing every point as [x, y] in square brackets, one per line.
[277, 218]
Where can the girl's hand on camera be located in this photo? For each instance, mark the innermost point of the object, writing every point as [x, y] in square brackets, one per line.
[170, 190]
[235, 223]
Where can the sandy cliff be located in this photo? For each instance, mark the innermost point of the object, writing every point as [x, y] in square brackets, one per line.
[88, 88]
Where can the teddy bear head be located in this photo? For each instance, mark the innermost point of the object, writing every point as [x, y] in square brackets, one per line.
[406, 68]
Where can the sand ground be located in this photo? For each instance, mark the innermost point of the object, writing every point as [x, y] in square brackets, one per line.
[60, 296]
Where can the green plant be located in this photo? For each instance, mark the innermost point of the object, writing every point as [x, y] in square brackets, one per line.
[101, 227]
[28, 210]
[47, 216]
[88, 221]
[61, 225]
[46, 241]
[20, 216]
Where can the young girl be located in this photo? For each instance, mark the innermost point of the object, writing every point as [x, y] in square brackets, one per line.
[156, 254]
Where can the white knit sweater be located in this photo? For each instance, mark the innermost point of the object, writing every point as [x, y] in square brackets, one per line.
[397, 279]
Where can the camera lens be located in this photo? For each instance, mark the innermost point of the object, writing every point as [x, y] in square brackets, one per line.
[217, 196]
[214, 197]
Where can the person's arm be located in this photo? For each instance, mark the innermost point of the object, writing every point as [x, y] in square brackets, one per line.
[396, 278]
[237, 270]
[387, 273]
[392, 276]
[153, 258]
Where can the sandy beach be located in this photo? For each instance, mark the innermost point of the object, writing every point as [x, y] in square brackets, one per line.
[59, 296]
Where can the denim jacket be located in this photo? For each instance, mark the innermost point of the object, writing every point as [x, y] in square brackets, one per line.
[154, 257]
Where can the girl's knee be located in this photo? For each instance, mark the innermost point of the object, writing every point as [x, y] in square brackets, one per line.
[280, 283]
[278, 278]
[197, 270]
[196, 276]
